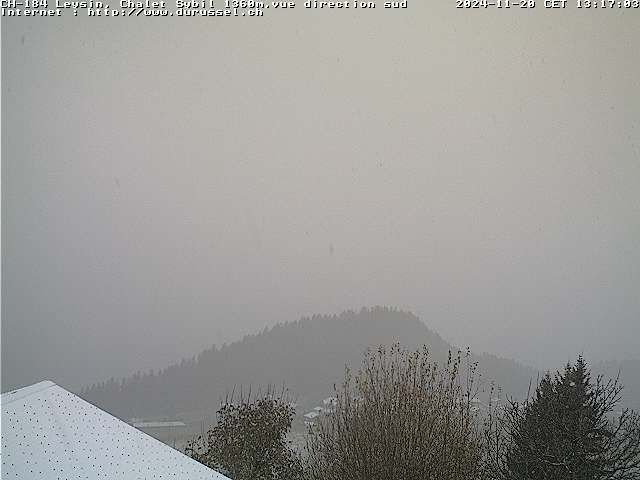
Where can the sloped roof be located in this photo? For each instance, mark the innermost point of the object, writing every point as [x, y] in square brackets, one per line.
[50, 434]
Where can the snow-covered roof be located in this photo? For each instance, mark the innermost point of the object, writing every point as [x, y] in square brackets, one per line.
[50, 434]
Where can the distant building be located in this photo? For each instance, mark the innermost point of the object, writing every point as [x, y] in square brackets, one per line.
[330, 402]
[151, 425]
[309, 418]
[165, 431]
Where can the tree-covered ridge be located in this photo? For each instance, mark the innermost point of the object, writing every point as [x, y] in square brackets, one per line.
[308, 355]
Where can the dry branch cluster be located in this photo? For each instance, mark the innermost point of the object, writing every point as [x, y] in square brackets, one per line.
[402, 417]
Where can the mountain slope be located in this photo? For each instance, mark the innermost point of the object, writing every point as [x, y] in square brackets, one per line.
[308, 356]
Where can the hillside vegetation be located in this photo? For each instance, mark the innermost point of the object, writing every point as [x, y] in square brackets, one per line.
[308, 356]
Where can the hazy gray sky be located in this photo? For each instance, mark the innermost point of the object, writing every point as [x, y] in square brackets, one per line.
[170, 184]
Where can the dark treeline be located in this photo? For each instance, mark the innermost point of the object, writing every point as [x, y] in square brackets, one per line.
[308, 356]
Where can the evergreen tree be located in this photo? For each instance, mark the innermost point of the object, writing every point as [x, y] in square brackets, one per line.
[568, 431]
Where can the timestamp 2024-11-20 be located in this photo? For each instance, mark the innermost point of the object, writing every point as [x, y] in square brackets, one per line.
[528, 4]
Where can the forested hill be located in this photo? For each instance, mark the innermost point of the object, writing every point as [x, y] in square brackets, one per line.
[308, 356]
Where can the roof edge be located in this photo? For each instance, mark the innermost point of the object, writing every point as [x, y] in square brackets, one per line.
[23, 392]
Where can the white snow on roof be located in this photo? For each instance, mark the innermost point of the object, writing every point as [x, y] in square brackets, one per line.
[50, 434]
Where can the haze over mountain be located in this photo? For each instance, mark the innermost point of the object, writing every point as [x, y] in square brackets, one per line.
[308, 356]
[171, 184]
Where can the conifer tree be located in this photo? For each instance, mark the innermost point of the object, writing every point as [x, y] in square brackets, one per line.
[569, 430]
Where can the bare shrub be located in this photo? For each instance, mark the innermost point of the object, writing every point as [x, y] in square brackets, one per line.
[400, 417]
